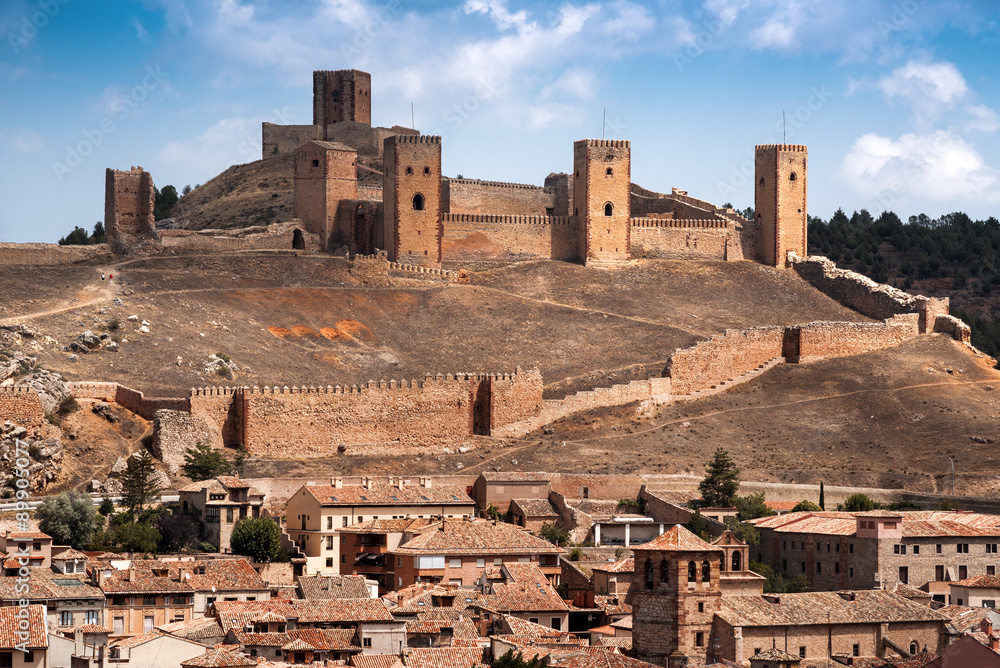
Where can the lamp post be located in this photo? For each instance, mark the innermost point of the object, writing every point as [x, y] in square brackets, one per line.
[952, 475]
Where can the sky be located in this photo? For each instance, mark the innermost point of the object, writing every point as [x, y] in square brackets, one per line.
[897, 100]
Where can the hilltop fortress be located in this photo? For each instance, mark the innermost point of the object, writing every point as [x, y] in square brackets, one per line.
[424, 224]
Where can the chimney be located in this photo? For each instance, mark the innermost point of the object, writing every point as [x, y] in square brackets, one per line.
[182, 574]
[425, 482]
[78, 642]
[131, 574]
[326, 583]
[367, 482]
[337, 483]
[986, 625]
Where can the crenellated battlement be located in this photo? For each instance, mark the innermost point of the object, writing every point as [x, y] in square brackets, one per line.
[416, 139]
[17, 390]
[609, 143]
[499, 184]
[507, 220]
[673, 223]
[801, 148]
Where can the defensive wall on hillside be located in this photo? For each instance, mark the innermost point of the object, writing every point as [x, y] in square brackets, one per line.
[51, 254]
[291, 235]
[501, 199]
[21, 405]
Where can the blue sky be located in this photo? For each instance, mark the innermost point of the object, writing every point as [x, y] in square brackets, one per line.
[897, 100]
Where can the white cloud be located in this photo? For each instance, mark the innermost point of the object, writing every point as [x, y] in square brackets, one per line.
[921, 84]
[498, 13]
[629, 21]
[981, 119]
[937, 167]
[140, 32]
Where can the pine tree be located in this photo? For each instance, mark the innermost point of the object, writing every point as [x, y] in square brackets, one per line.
[139, 483]
[822, 496]
[722, 481]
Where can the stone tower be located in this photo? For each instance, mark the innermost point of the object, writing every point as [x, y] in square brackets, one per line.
[325, 174]
[674, 596]
[602, 174]
[780, 201]
[128, 212]
[341, 95]
[411, 192]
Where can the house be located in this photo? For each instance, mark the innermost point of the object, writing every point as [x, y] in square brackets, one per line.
[218, 657]
[299, 646]
[23, 640]
[613, 578]
[319, 587]
[500, 488]
[533, 513]
[204, 630]
[455, 551]
[215, 580]
[219, 503]
[522, 591]
[33, 545]
[440, 632]
[980, 649]
[138, 599]
[447, 657]
[838, 550]
[365, 547]
[83, 646]
[979, 592]
[316, 512]
[68, 599]
[772, 657]
[67, 560]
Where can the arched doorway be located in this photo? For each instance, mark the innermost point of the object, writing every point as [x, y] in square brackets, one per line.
[298, 240]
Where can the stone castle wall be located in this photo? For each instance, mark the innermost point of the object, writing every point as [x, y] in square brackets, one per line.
[128, 212]
[495, 237]
[875, 300]
[22, 406]
[819, 340]
[50, 254]
[493, 197]
[664, 238]
[128, 398]
[284, 139]
[723, 357]
[280, 236]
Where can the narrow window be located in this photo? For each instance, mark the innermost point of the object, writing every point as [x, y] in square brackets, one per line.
[610, 172]
[418, 202]
[706, 571]
[409, 170]
[427, 171]
[315, 163]
[608, 209]
[664, 572]
[736, 562]
[692, 572]
[649, 573]
[791, 177]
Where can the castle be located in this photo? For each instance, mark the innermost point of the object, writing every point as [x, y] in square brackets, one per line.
[595, 215]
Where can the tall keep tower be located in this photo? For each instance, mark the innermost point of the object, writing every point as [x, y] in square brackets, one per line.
[411, 192]
[325, 174]
[341, 95]
[602, 174]
[780, 201]
[128, 212]
[674, 596]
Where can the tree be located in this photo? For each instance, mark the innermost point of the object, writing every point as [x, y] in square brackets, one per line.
[78, 237]
[98, 236]
[177, 532]
[752, 506]
[107, 507]
[186, 189]
[859, 503]
[257, 537]
[745, 531]
[137, 537]
[777, 583]
[240, 461]
[512, 660]
[201, 462]
[163, 201]
[806, 505]
[139, 483]
[822, 496]
[722, 481]
[698, 526]
[554, 533]
[69, 518]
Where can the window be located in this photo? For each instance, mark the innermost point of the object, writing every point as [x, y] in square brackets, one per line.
[149, 600]
[819, 567]
[147, 624]
[343, 558]
[991, 570]
[229, 515]
[850, 548]
[91, 617]
[895, 549]
[315, 163]
[856, 650]
[427, 171]
[784, 545]
[253, 652]
[692, 572]
[836, 567]
[180, 600]
[609, 209]
[991, 548]
[610, 172]
[533, 620]
[344, 521]
[179, 618]
[329, 542]
[791, 177]
[366, 642]
[118, 628]
[699, 639]
[706, 571]
[803, 566]
[664, 572]
[850, 571]
[914, 647]
[481, 563]
[701, 606]
[784, 564]
[6, 659]
[802, 652]
[212, 515]
[649, 573]
[418, 202]
[939, 573]
[556, 623]
[329, 562]
[497, 561]
[916, 549]
[409, 170]
[963, 572]
[329, 522]
[989, 603]
[904, 574]
[65, 619]
[939, 548]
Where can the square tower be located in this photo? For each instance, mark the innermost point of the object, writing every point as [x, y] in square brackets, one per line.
[602, 175]
[325, 174]
[411, 192]
[674, 597]
[128, 212]
[780, 201]
[341, 95]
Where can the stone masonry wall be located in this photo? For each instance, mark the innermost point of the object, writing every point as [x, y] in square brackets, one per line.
[50, 254]
[953, 327]
[22, 406]
[216, 406]
[875, 300]
[284, 139]
[280, 236]
[175, 431]
[514, 397]
[818, 340]
[128, 212]
[658, 238]
[723, 357]
[494, 237]
[493, 197]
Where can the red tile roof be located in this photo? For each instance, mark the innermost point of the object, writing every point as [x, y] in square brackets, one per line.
[584, 657]
[678, 539]
[448, 657]
[527, 590]
[10, 627]
[613, 605]
[384, 494]
[868, 607]
[240, 614]
[982, 582]
[515, 476]
[535, 507]
[375, 661]
[218, 658]
[626, 565]
[333, 586]
[475, 537]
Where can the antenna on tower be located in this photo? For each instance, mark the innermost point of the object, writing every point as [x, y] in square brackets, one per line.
[413, 121]
[604, 123]
[783, 141]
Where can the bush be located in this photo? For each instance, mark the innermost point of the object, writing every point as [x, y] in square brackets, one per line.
[575, 553]
[257, 537]
[224, 357]
[806, 505]
[224, 372]
[66, 406]
[114, 324]
[107, 507]
[858, 503]
[205, 546]
[69, 518]
[554, 533]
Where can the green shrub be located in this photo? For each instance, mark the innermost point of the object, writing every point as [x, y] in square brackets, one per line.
[575, 553]
[114, 324]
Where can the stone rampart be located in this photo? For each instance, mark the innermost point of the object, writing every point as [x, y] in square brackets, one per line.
[953, 327]
[663, 238]
[875, 300]
[50, 254]
[514, 398]
[128, 398]
[22, 406]
[291, 235]
[723, 357]
[175, 431]
[90, 390]
[498, 237]
[819, 340]
[284, 139]
[506, 199]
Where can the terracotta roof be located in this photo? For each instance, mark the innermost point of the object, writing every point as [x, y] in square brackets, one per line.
[828, 523]
[523, 627]
[781, 505]
[983, 582]
[909, 591]
[333, 586]
[386, 526]
[218, 658]
[931, 528]
[298, 644]
[584, 657]
[10, 627]
[868, 607]
[135, 641]
[963, 617]
[324, 640]
[475, 537]
[625, 623]
[527, 590]
[626, 565]
[384, 494]
[607, 630]
[424, 604]
[514, 476]
[27, 535]
[915, 524]
[536, 507]
[448, 657]
[143, 583]
[268, 617]
[66, 552]
[192, 629]
[459, 628]
[596, 508]
[678, 539]
[774, 654]
[611, 641]
[613, 605]
[86, 628]
[45, 584]
[375, 661]
[239, 614]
